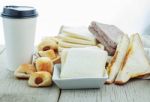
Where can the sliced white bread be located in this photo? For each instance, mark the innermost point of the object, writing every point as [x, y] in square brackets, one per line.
[78, 32]
[116, 62]
[135, 63]
[70, 45]
[69, 39]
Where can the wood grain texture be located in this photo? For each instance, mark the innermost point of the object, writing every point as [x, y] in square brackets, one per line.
[14, 90]
[133, 91]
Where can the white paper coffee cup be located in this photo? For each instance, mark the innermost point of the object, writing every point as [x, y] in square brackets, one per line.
[19, 23]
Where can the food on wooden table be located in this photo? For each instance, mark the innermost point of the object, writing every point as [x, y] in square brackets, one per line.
[40, 79]
[135, 63]
[44, 64]
[84, 62]
[116, 62]
[24, 71]
[48, 53]
[108, 35]
[46, 44]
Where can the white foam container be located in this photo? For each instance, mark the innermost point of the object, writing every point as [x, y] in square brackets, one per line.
[77, 83]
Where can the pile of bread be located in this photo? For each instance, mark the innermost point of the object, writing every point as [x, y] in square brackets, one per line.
[126, 60]
[40, 71]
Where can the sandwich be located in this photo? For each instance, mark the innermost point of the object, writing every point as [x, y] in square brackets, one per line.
[116, 62]
[107, 35]
[135, 64]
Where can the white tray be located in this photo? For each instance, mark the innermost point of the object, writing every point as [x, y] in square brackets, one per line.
[74, 83]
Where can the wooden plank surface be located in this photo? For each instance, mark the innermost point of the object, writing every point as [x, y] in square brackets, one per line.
[14, 90]
[134, 91]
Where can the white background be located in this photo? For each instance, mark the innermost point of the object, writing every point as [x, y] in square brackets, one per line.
[129, 15]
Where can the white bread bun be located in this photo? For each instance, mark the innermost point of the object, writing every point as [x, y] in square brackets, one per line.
[24, 71]
[44, 64]
[40, 79]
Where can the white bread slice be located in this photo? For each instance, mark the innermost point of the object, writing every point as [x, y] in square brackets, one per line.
[70, 45]
[78, 32]
[76, 40]
[63, 57]
[84, 62]
[135, 63]
[116, 62]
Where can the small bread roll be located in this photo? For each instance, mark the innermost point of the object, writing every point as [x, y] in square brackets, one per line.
[24, 71]
[44, 64]
[49, 53]
[40, 79]
[45, 45]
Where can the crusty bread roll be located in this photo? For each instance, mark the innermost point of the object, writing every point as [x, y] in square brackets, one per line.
[40, 79]
[24, 71]
[49, 53]
[44, 64]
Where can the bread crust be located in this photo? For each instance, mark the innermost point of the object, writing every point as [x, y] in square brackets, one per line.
[44, 64]
[24, 71]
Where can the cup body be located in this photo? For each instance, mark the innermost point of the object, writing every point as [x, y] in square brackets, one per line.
[19, 37]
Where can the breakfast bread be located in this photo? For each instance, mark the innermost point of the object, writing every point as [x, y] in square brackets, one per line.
[24, 71]
[49, 53]
[40, 79]
[47, 45]
[116, 62]
[44, 64]
[135, 63]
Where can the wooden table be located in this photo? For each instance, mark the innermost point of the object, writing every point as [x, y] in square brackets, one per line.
[12, 90]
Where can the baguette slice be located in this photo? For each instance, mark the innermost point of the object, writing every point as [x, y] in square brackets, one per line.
[135, 63]
[116, 62]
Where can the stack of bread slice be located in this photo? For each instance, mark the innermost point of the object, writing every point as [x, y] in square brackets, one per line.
[75, 37]
[129, 61]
